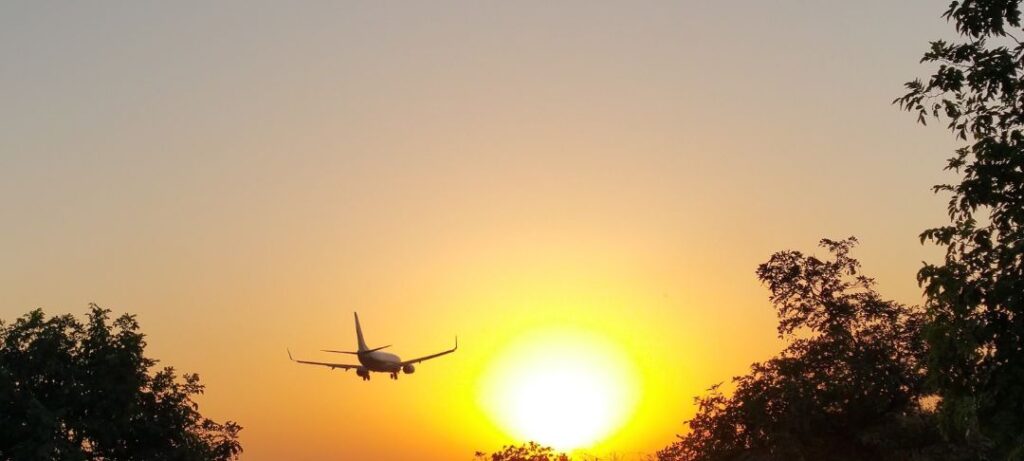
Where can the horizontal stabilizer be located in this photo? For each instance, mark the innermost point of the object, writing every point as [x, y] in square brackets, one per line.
[356, 353]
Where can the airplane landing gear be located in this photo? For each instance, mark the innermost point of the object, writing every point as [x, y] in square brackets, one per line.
[394, 375]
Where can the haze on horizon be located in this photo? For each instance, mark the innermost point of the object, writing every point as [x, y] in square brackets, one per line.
[244, 175]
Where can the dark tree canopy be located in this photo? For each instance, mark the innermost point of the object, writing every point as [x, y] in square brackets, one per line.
[848, 386]
[74, 391]
[975, 306]
[531, 451]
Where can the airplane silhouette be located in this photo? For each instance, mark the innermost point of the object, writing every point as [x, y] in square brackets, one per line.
[373, 360]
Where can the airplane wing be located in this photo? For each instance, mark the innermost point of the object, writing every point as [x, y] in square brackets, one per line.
[428, 357]
[343, 366]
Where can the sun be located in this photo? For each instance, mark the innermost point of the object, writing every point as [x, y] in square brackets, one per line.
[560, 388]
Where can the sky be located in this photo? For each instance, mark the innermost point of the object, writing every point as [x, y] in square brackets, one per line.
[597, 180]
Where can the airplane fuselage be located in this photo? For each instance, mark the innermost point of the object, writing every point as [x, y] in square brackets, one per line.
[379, 361]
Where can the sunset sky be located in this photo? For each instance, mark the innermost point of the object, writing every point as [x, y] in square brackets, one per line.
[579, 181]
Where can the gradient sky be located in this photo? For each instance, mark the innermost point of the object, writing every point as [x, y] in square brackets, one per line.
[244, 175]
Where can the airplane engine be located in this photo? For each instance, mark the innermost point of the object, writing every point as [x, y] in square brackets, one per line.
[408, 369]
[363, 372]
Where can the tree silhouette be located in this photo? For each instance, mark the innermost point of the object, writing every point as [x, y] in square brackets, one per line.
[848, 387]
[975, 297]
[74, 391]
[531, 451]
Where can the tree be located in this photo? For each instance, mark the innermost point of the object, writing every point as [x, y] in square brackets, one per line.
[531, 451]
[975, 306]
[848, 386]
[74, 391]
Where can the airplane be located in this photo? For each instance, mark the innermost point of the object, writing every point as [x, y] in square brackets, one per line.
[373, 360]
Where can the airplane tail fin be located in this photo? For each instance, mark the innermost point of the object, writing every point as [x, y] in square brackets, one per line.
[359, 335]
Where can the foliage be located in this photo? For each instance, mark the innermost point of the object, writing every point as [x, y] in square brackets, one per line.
[975, 303]
[74, 391]
[531, 451]
[847, 387]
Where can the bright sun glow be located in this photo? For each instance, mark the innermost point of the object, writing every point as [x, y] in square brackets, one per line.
[560, 388]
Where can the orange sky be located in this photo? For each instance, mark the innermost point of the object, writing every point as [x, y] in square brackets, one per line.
[245, 175]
